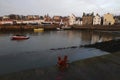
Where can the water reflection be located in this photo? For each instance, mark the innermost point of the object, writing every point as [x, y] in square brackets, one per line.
[102, 36]
[68, 37]
[96, 36]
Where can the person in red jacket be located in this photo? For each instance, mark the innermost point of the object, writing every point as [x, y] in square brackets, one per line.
[62, 64]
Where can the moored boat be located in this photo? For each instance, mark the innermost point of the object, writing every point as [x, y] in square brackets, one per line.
[59, 29]
[19, 37]
[66, 27]
[38, 29]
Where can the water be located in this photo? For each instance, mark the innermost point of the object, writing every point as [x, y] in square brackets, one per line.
[35, 52]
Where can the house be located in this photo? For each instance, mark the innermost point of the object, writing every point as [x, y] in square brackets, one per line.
[78, 21]
[23, 17]
[5, 18]
[47, 19]
[18, 22]
[14, 17]
[1, 18]
[97, 20]
[36, 17]
[72, 19]
[41, 18]
[57, 19]
[30, 17]
[117, 20]
[108, 19]
[65, 20]
[88, 18]
[7, 22]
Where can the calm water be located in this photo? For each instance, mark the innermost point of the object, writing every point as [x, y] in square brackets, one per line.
[35, 52]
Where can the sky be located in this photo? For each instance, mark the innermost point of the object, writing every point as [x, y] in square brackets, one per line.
[59, 7]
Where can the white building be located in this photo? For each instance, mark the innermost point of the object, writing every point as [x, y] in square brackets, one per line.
[78, 21]
[97, 20]
[6, 18]
[32, 21]
[72, 19]
[108, 19]
[6, 22]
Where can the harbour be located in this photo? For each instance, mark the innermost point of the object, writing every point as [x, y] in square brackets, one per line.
[20, 55]
[77, 40]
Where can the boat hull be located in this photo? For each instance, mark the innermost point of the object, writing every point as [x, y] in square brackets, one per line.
[19, 37]
[39, 30]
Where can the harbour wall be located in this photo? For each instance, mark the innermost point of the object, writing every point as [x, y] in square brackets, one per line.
[53, 27]
[97, 27]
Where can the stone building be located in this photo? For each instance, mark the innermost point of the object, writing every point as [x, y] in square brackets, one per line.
[117, 20]
[56, 19]
[14, 17]
[65, 20]
[87, 19]
[47, 19]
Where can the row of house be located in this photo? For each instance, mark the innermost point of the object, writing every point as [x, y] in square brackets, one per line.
[86, 19]
[33, 19]
[91, 19]
[20, 19]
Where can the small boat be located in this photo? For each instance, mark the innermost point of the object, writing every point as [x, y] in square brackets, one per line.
[66, 27]
[19, 37]
[38, 29]
[59, 29]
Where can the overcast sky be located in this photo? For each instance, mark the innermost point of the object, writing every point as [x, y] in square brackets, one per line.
[58, 7]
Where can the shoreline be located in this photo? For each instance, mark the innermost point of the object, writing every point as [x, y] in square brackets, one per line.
[108, 46]
[53, 27]
[97, 27]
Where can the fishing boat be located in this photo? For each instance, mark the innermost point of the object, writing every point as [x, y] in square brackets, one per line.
[19, 37]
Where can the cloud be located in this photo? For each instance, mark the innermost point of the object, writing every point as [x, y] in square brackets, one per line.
[57, 7]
